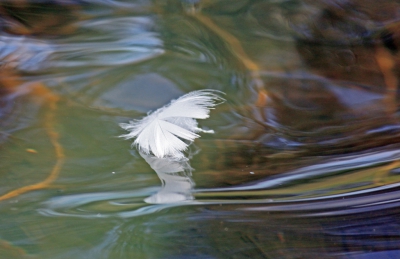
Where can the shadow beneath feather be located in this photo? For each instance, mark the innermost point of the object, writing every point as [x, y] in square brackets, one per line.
[175, 176]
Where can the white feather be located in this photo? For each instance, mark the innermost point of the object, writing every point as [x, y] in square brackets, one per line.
[162, 132]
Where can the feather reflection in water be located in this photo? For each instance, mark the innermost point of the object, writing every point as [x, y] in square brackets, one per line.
[175, 177]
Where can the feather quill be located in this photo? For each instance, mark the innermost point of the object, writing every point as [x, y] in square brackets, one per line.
[162, 132]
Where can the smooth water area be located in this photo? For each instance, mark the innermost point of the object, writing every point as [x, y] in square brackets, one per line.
[304, 162]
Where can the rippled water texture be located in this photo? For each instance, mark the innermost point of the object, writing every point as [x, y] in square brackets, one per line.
[304, 162]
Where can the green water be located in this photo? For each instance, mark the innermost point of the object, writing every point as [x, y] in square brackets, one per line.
[309, 173]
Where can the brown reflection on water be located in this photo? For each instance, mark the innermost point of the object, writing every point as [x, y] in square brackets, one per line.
[23, 18]
[344, 100]
[353, 41]
[36, 18]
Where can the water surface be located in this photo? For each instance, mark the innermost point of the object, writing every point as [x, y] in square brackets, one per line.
[303, 162]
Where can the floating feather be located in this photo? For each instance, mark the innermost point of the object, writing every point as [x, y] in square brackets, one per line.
[162, 132]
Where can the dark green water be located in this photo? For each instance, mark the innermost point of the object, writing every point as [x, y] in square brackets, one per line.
[310, 172]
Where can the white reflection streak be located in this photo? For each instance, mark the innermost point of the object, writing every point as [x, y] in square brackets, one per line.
[175, 178]
[23, 53]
